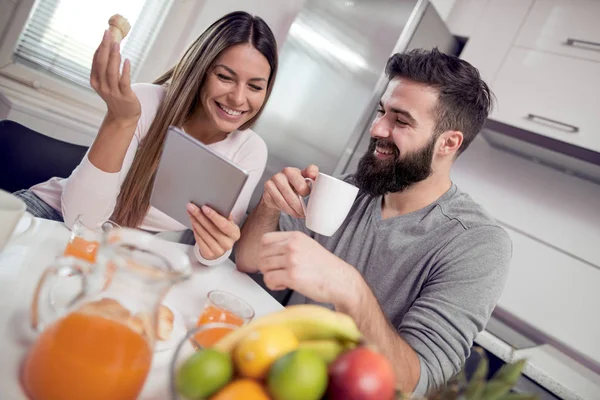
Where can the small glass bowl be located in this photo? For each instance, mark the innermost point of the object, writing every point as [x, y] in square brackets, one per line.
[187, 347]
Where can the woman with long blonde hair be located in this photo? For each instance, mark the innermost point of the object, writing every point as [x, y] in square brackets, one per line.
[214, 93]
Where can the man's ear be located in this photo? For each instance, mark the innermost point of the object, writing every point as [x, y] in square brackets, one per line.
[449, 142]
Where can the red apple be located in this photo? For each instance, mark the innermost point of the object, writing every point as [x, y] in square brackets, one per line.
[361, 374]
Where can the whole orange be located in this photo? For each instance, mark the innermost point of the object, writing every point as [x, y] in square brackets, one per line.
[242, 389]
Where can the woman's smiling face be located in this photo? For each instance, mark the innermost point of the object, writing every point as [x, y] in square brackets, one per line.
[235, 87]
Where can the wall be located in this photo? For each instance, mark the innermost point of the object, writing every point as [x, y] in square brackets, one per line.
[6, 11]
[5, 106]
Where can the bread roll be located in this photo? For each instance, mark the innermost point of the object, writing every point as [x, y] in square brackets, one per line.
[141, 323]
[118, 27]
[108, 308]
[165, 322]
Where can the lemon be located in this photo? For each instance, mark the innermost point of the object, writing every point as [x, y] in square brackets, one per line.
[299, 375]
[204, 373]
[255, 353]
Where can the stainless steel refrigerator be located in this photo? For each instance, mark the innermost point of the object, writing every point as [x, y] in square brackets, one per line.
[331, 76]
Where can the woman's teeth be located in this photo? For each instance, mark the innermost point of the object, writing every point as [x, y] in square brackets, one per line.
[230, 111]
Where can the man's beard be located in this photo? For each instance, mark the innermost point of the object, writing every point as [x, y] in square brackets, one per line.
[379, 177]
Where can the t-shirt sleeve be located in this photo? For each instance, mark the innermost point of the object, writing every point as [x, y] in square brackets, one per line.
[465, 283]
[92, 192]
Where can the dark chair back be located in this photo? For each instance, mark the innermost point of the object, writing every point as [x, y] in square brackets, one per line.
[28, 157]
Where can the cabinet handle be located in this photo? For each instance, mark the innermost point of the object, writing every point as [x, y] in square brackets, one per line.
[573, 128]
[573, 42]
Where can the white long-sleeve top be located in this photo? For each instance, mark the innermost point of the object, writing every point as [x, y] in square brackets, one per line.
[93, 192]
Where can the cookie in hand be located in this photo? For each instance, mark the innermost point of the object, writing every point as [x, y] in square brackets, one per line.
[118, 27]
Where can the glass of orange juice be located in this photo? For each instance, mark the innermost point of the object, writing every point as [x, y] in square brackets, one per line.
[85, 239]
[222, 307]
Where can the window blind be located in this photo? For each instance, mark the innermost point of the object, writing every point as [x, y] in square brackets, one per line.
[61, 36]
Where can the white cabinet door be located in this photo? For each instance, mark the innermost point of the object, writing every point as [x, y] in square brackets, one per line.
[494, 33]
[554, 293]
[549, 94]
[569, 27]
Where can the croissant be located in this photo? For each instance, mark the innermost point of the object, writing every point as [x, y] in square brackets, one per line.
[118, 27]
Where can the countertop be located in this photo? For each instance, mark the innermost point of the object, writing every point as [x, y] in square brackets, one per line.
[548, 367]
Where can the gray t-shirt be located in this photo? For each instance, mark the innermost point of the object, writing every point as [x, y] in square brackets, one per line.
[436, 272]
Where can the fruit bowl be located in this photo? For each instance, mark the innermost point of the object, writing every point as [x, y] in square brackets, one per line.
[307, 352]
[303, 352]
[185, 349]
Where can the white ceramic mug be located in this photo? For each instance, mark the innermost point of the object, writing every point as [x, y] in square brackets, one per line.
[12, 210]
[329, 203]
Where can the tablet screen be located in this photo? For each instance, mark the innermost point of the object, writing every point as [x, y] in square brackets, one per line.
[189, 171]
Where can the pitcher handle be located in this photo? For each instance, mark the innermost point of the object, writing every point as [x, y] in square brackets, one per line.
[62, 267]
[310, 182]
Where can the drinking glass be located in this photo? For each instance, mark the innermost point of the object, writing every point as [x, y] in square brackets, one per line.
[86, 238]
[222, 307]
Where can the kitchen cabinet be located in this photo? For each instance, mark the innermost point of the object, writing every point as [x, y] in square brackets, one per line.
[541, 59]
[554, 293]
[497, 27]
[549, 94]
[566, 27]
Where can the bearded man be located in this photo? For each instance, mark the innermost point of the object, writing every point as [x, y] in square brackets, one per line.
[417, 263]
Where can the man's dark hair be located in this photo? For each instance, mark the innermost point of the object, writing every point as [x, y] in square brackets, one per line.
[464, 101]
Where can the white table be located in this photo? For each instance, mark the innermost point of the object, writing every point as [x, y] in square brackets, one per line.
[22, 263]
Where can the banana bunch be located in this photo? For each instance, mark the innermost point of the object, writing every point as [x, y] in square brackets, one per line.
[328, 349]
[479, 388]
[327, 332]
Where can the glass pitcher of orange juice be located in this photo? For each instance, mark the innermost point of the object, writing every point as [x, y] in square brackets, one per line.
[97, 335]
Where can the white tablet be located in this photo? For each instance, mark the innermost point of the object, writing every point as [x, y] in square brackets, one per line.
[190, 172]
